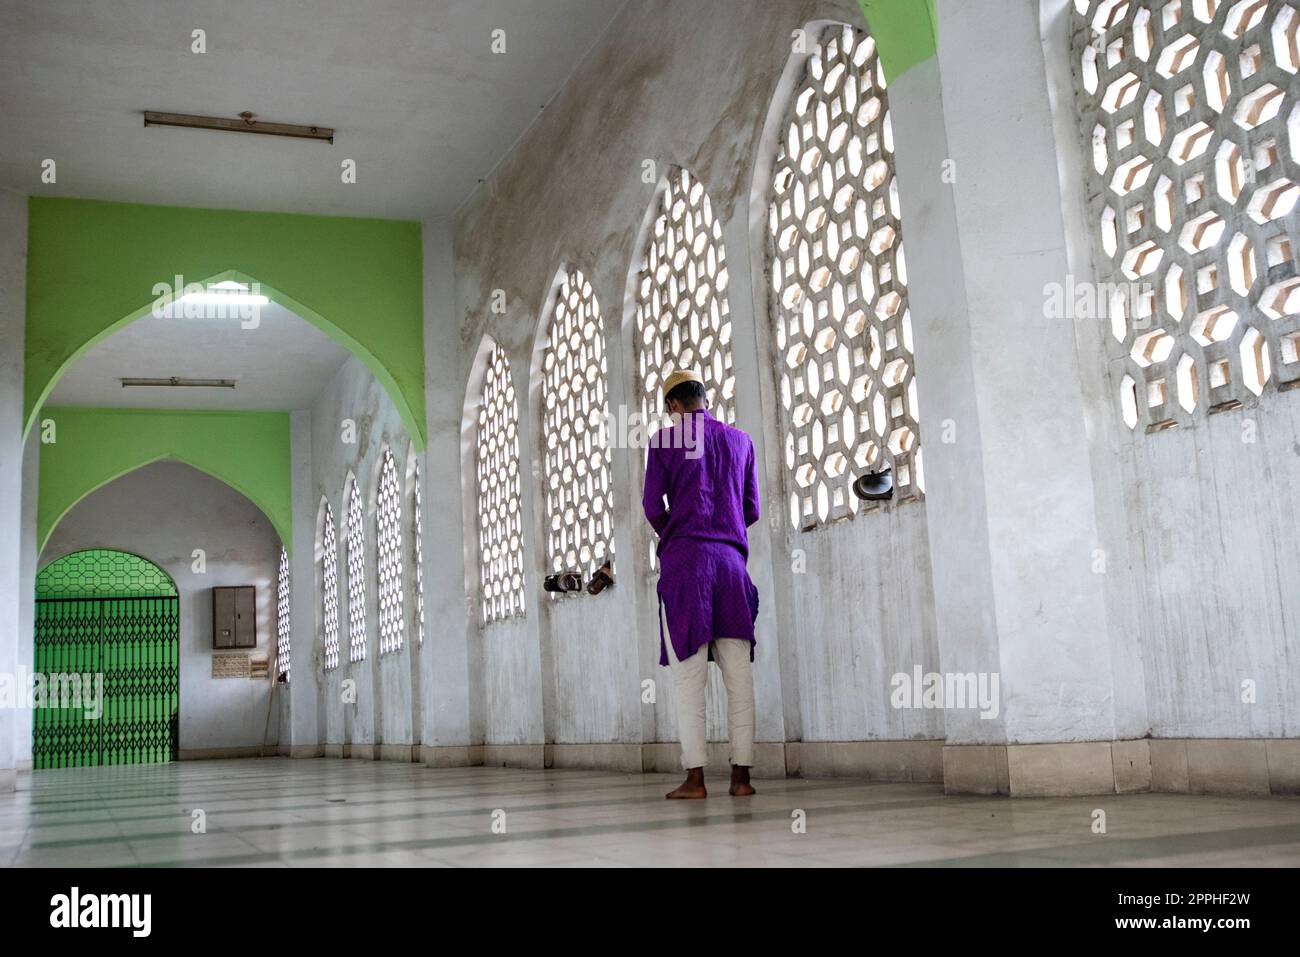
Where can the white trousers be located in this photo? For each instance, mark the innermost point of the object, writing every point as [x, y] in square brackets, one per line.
[732, 657]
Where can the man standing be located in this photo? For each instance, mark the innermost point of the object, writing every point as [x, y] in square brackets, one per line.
[701, 494]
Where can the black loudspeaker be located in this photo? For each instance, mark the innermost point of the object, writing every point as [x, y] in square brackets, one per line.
[603, 578]
[875, 486]
[563, 582]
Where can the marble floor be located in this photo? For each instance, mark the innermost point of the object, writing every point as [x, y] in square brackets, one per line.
[276, 812]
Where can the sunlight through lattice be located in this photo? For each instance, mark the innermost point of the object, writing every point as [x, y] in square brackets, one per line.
[580, 532]
[500, 516]
[356, 546]
[388, 545]
[1193, 127]
[682, 317]
[839, 287]
[330, 588]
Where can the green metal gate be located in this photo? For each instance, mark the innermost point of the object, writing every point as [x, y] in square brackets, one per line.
[115, 659]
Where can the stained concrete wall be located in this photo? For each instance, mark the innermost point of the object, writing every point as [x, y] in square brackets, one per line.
[572, 193]
[352, 422]
[1202, 570]
[163, 512]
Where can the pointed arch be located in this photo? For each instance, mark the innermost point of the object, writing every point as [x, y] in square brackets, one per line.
[413, 483]
[283, 611]
[837, 278]
[88, 448]
[354, 540]
[327, 548]
[571, 376]
[390, 559]
[494, 408]
[678, 296]
[358, 280]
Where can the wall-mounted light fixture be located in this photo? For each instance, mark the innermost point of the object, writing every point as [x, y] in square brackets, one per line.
[229, 293]
[244, 123]
[176, 382]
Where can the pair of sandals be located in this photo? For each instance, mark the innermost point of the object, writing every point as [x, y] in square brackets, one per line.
[563, 582]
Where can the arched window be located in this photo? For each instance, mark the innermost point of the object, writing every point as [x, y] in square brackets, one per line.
[580, 531]
[282, 615]
[500, 517]
[356, 545]
[417, 550]
[389, 555]
[330, 587]
[839, 286]
[682, 317]
[1189, 112]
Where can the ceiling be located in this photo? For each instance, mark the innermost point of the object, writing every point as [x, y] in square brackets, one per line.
[414, 93]
[282, 363]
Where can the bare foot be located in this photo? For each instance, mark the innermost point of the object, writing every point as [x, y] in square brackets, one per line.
[740, 786]
[691, 788]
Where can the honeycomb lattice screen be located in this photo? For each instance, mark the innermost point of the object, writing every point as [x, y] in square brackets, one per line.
[389, 556]
[356, 543]
[329, 580]
[282, 620]
[417, 551]
[1189, 109]
[839, 287]
[580, 530]
[500, 515]
[682, 317]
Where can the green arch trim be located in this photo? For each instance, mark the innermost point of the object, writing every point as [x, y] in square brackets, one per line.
[92, 267]
[249, 451]
[102, 573]
[906, 33]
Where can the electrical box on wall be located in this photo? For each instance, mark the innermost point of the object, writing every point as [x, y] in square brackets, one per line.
[234, 617]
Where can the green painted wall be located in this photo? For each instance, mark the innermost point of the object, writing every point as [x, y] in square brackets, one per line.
[249, 451]
[905, 31]
[92, 266]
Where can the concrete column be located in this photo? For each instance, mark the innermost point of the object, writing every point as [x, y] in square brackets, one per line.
[30, 556]
[1012, 512]
[13, 298]
[444, 662]
[305, 735]
[776, 681]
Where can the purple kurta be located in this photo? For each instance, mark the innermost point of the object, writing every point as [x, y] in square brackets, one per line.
[705, 471]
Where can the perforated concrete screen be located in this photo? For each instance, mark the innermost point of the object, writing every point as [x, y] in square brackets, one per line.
[330, 588]
[390, 557]
[682, 317]
[500, 517]
[417, 551]
[356, 558]
[1189, 108]
[839, 287]
[579, 527]
[282, 616]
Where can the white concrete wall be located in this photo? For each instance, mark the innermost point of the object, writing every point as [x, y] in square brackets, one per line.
[163, 512]
[1203, 570]
[383, 712]
[572, 193]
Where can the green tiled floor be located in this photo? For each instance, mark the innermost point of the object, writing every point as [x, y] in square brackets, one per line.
[283, 813]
